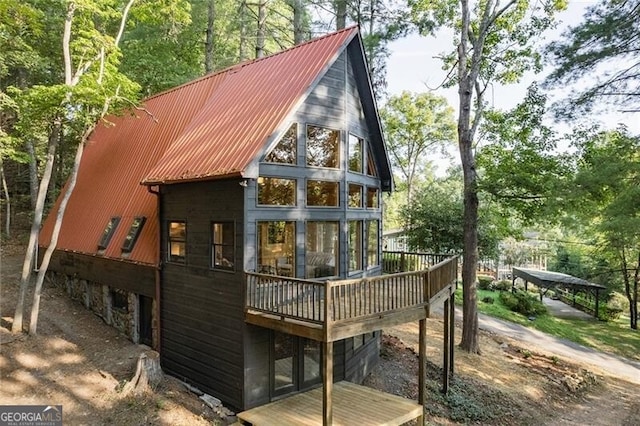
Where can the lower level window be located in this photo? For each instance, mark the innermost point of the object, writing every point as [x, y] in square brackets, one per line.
[276, 248]
[322, 249]
[223, 245]
[119, 300]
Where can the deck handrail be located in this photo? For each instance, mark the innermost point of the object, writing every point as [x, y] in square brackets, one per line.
[347, 300]
[286, 297]
[401, 261]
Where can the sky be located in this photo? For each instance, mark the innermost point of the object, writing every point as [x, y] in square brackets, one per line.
[412, 67]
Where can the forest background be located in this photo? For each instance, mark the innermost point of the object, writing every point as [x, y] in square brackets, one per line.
[65, 65]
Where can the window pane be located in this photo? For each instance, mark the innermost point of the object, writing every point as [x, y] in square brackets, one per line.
[322, 193]
[372, 243]
[285, 151]
[312, 360]
[276, 248]
[134, 232]
[177, 242]
[223, 254]
[276, 191]
[322, 249]
[371, 167]
[284, 360]
[177, 230]
[372, 198]
[355, 245]
[108, 232]
[355, 196]
[355, 154]
[323, 147]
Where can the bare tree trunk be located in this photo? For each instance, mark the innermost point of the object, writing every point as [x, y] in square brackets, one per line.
[29, 257]
[298, 14]
[208, 45]
[341, 13]
[33, 174]
[5, 189]
[44, 266]
[470, 236]
[243, 31]
[260, 33]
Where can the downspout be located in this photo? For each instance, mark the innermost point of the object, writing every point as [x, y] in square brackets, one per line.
[158, 268]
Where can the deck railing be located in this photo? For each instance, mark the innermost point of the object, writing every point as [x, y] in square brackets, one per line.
[286, 297]
[346, 300]
[400, 261]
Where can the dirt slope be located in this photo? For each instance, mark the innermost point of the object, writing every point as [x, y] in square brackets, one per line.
[81, 363]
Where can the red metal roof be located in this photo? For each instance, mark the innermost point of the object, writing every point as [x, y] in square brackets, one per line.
[209, 128]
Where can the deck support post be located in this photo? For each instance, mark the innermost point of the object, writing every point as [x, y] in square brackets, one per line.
[597, 303]
[422, 370]
[327, 385]
[446, 347]
[452, 330]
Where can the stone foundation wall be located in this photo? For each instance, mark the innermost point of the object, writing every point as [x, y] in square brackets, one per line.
[99, 298]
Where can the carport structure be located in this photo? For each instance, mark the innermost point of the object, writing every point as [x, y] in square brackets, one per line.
[548, 280]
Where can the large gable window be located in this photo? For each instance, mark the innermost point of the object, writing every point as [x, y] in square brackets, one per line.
[355, 153]
[285, 152]
[276, 191]
[108, 232]
[372, 198]
[355, 196]
[322, 193]
[323, 147]
[322, 249]
[372, 243]
[223, 245]
[177, 242]
[276, 248]
[355, 245]
[371, 165]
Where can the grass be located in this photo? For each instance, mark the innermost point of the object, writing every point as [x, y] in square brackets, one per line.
[614, 336]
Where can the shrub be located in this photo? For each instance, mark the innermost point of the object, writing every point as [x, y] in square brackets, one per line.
[484, 282]
[488, 299]
[618, 301]
[502, 285]
[523, 303]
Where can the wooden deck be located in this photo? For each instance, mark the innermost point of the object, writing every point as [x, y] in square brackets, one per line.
[352, 405]
[333, 310]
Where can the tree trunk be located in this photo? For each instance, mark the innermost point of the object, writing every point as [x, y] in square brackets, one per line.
[298, 14]
[632, 294]
[260, 32]
[208, 45]
[341, 13]
[243, 31]
[33, 174]
[5, 189]
[466, 79]
[44, 266]
[148, 374]
[29, 257]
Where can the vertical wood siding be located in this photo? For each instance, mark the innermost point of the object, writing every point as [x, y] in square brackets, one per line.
[202, 309]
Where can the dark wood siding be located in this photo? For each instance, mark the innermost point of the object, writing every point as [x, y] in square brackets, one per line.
[128, 276]
[201, 308]
[359, 363]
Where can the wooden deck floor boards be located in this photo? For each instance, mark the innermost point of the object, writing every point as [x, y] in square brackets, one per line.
[352, 405]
